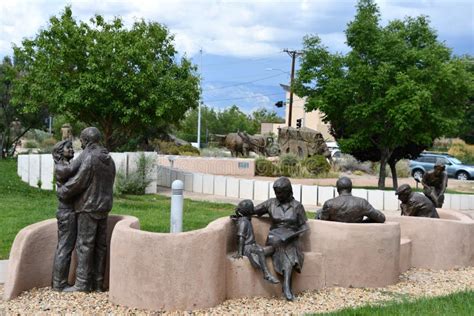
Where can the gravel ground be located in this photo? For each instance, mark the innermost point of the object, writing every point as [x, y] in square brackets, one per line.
[414, 283]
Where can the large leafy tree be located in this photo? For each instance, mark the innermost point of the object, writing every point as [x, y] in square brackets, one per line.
[467, 128]
[128, 82]
[10, 115]
[398, 86]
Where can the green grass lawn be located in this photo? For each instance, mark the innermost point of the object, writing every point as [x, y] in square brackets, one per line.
[457, 304]
[22, 205]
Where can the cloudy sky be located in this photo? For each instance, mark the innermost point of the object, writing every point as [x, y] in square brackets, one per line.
[242, 61]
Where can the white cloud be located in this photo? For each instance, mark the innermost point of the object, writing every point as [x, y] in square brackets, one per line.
[244, 28]
[232, 28]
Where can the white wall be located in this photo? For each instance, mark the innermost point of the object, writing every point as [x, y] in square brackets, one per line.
[34, 167]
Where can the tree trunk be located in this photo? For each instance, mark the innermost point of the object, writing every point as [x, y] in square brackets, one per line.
[393, 169]
[383, 164]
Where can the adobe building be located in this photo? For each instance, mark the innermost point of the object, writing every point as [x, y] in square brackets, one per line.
[313, 119]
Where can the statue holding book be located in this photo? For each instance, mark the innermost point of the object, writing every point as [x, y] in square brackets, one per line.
[288, 219]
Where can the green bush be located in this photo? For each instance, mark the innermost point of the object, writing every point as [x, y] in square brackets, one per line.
[188, 150]
[264, 167]
[170, 148]
[316, 164]
[289, 160]
[289, 165]
[136, 181]
[30, 143]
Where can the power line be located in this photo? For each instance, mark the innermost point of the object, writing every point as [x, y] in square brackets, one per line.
[243, 83]
[241, 98]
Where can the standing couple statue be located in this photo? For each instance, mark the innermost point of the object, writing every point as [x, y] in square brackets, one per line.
[288, 222]
[85, 194]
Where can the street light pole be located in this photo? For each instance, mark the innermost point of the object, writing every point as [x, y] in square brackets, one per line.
[199, 110]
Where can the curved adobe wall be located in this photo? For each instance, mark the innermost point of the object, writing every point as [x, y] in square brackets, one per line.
[31, 257]
[161, 271]
[358, 255]
[195, 269]
[444, 243]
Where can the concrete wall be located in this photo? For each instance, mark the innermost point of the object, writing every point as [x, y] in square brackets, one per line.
[32, 168]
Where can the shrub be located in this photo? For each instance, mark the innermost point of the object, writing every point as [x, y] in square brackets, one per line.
[264, 167]
[316, 164]
[288, 160]
[462, 151]
[47, 145]
[136, 181]
[347, 163]
[188, 150]
[30, 143]
[170, 148]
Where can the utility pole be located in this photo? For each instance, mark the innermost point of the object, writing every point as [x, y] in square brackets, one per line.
[292, 54]
[199, 109]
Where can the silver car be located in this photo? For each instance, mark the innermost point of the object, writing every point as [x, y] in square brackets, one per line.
[454, 167]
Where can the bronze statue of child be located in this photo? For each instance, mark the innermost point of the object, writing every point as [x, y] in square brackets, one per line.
[247, 246]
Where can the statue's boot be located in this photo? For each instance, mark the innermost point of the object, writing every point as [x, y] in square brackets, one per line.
[59, 286]
[98, 286]
[270, 278]
[287, 286]
[73, 288]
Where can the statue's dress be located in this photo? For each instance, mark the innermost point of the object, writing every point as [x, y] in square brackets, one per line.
[288, 221]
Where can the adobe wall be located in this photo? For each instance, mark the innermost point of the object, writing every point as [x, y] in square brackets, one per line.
[444, 243]
[160, 271]
[31, 257]
[193, 270]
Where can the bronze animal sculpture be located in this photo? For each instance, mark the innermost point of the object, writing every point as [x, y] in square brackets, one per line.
[234, 143]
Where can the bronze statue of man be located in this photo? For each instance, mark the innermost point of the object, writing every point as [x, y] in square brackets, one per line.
[415, 204]
[91, 188]
[347, 208]
[288, 223]
[435, 183]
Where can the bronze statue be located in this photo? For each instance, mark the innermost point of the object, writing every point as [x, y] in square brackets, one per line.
[288, 223]
[347, 208]
[91, 189]
[434, 184]
[234, 143]
[247, 245]
[415, 204]
[63, 170]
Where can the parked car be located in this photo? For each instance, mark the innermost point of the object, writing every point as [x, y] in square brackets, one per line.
[454, 167]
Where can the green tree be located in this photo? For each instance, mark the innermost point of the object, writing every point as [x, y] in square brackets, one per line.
[127, 82]
[229, 120]
[9, 114]
[467, 128]
[397, 86]
[263, 115]
[187, 129]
